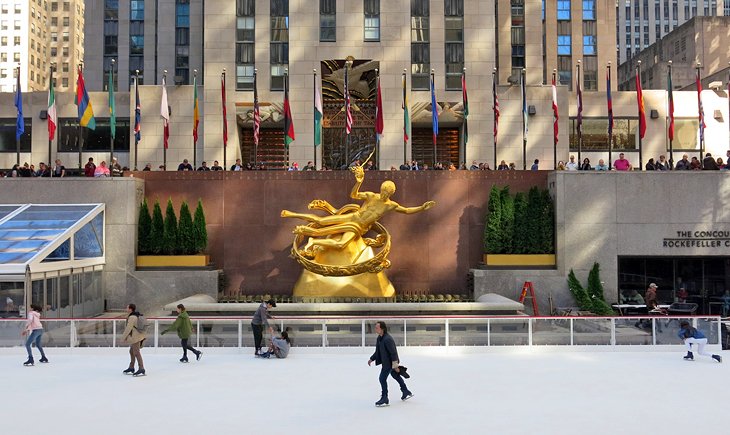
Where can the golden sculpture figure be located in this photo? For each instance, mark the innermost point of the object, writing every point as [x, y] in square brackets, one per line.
[338, 259]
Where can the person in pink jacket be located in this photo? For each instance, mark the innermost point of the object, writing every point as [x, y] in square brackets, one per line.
[34, 331]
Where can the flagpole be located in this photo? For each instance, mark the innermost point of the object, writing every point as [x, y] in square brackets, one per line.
[225, 121]
[111, 138]
[523, 77]
[610, 128]
[314, 118]
[494, 114]
[700, 110]
[80, 136]
[580, 129]
[638, 75]
[555, 139]
[465, 103]
[435, 112]
[255, 96]
[671, 139]
[286, 147]
[50, 142]
[377, 136]
[17, 137]
[164, 146]
[136, 142]
[405, 108]
[195, 144]
[347, 89]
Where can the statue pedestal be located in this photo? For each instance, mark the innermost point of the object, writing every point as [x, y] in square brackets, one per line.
[364, 285]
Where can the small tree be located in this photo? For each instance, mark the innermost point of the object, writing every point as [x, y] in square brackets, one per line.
[533, 223]
[144, 229]
[157, 233]
[508, 220]
[199, 229]
[548, 224]
[520, 237]
[170, 242]
[579, 293]
[595, 292]
[186, 233]
[492, 237]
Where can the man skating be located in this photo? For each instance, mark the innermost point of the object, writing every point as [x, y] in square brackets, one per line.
[386, 355]
[690, 335]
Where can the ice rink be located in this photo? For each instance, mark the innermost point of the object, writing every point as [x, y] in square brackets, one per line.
[315, 391]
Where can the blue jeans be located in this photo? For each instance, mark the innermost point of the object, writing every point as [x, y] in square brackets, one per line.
[384, 372]
[34, 336]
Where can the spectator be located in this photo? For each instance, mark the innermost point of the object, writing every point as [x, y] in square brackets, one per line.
[216, 166]
[25, 171]
[32, 171]
[162, 168]
[462, 167]
[727, 161]
[720, 164]
[650, 165]
[147, 167]
[116, 168]
[90, 168]
[632, 297]
[59, 170]
[102, 170]
[601, 166]
[622, 164]
[572, 165]
[425, 167]
[684, 164]
[725, 303]
[586, 165]
[393, 168]
[474, 166]
[14, 173]
[405, 167]
[512, 166]
[452, 167]
[185, 166]
[43, 170]
[682, 295]
[535, 165]
[309, 167]
[663, 164]
[695, 164]
[709, 163]
[485, 166]
[237, 166]
[561, 166]
[502, 166]
[204, 167]
[294, 167]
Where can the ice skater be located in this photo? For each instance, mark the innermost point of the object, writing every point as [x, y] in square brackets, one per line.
[184, 328]
[690, 335]
[386, 355]
[34, 331]
[135, 336]
[279, 346]
[260, 318]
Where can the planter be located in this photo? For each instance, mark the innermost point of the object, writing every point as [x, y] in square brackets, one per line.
[520, 260]
[173, 260]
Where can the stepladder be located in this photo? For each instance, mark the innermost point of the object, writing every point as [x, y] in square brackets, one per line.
[527, 287]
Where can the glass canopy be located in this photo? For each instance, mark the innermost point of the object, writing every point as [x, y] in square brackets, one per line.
[37, 238]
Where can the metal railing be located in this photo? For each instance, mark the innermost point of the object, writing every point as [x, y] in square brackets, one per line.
[235, 332]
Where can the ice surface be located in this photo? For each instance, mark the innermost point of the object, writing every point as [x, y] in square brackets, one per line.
[315, 391]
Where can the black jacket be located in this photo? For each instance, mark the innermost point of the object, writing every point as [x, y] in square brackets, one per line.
[385, 351]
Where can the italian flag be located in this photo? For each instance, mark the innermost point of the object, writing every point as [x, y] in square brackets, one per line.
[52, 117]
[317, 112]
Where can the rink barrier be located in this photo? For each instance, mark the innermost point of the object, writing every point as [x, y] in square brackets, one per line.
[358, 331]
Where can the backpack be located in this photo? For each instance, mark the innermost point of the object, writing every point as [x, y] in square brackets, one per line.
[141, 325]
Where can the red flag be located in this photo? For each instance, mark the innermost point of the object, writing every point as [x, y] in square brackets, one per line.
[225, 119]
[379, 113]
[640, 102]
[288, 121]
[495, 107]
[256, 112]
[348, 112]
[555, 111]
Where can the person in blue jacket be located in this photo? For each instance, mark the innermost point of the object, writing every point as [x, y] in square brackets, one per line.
[387, 355]
[690, 335]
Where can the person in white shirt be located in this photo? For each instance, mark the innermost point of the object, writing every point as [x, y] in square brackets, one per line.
[572, 165]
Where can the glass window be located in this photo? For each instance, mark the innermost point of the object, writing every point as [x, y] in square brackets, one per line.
[327, 20]
[686, 134]
[595, 134]
[589, 9]
[245, 38]
[372, 20]
[93, 140]
[563, 9]
[136, 10]
[420, 47]
[564, 45]
[7, 135]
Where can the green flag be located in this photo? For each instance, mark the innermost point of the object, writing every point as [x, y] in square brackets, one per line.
[112, 105]
[317, 112]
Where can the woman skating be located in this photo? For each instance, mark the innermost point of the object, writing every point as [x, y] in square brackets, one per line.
[184, 328]
[34, 331]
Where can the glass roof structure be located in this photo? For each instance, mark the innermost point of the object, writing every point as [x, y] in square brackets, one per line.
[39, 238]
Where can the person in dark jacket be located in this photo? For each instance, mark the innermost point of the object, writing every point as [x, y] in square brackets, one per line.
[690, 335]
[386, 356]
[260, 318]
[184, 328]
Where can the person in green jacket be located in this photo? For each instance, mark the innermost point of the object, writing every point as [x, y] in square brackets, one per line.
[184, 328]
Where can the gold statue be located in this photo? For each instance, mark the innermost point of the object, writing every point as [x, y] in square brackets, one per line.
[338, 259]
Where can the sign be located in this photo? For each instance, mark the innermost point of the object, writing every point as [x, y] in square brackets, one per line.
[698, 239]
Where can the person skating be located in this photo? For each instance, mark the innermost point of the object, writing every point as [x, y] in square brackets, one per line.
[279, 346]
[690, 335]
[34, 331]
[184, 328]
[386, 355]
[135, 337]
[260, 318]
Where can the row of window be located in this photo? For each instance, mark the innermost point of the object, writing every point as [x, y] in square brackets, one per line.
[563, 9]
[69, 135]
[625, 134]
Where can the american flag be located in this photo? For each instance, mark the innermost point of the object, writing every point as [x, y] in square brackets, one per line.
[256, 112]
[348, 112]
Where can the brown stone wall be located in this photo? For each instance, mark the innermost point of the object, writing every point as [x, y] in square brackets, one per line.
[432, 251]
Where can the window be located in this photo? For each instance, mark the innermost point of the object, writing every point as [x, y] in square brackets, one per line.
[65, 36]
[16, 24]
[54, 51]
[7, 135]
[372, 20]
[94, 140]
[245, 39]
[65, 21]
[589, 9]
[420, 45]
[136, 10]
[564, 38]
[279, 45]
[563, 9]
[65, 67]
[518, 36]
[454, 32]
[589, 37]
[54, 37]
[590, 73]
[4, 25]
[66, 6]
[595, 134]
[65, 51]
[4, 41]
[16, 40]
[686, 134]
[54, 21]
[327, 21]
[136, 40]
[4, 58]
[182, 42]
[54, 6]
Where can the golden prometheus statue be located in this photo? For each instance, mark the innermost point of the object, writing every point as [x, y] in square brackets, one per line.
[338, 258]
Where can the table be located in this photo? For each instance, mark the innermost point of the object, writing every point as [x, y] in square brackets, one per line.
[629, 309]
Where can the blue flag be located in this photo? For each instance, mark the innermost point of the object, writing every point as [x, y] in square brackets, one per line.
[137, 114]
[20, 123]
[434, 111]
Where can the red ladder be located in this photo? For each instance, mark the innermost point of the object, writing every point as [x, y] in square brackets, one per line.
[523, 295]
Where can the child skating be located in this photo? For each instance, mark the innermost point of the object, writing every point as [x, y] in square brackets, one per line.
[184, 328]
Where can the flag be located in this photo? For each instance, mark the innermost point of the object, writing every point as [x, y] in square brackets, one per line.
[256, 112]
[524, 103]
[609, 102]
[165, 113]
[670, 97]
[434, 111]
[466, 107]
[495, 107]
[317, 111]
[699, 108]
[85, 111]
[52, 115]
[20, 122]
[555, 111]
[288, 122]
[640, 102]
[579, 121]
[112, 105]
[196, 112]
[348, 112]
[379, 113]
[223, 103]
[406, 115]
[137, 113]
